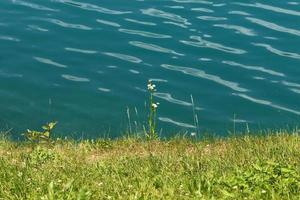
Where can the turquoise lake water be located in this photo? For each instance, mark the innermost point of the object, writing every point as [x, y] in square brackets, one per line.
[86, 64]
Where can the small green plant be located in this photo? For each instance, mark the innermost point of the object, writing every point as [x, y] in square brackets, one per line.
[40, 155]
[40, 136]
[152, 134]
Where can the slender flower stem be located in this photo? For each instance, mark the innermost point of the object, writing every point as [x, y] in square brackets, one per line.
[152, 134]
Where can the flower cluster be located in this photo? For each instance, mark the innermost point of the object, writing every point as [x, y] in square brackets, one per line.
[151, 86]
[154, 105]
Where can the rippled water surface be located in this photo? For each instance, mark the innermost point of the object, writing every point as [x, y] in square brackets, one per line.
[86, 64]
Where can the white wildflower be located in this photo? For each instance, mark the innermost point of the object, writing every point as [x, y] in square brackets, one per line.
[193, 134]
[154, 105]
[151, 87]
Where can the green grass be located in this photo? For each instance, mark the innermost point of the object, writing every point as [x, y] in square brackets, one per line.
[245, 167]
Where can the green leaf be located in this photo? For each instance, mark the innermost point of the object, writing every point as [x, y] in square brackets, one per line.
[47, 134]
[51, 125]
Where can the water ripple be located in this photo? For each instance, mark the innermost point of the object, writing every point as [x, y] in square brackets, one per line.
[219, 5]
[205, 59]
[273, 26]
[293, 3]
[181, 124]
[277, 51]
[207, 44]
[168, 97]
[9, 38]
[35, 27]
[134, 71]
[123, 57]
[9, 75]
[144, 33]
[175, 7]
[294, 87]
[75, 78]
[271, 8]
[271, 38]
[92, 7]
[69, 25]
[291, 84]
[237, 12]
[158, 80]
[32, 5]
[258, 78]
[239, 29]
[81, 50]
[193, 1]
[199, 73]
[295, 90]
[108, 23]
[49, 62]
[267, 103]
[166, 15]
[211, 18]
[153, 47]
[140, 22]
[206, 10]
[104, 89]
[112, 67]
[255, 68]
[176, 24]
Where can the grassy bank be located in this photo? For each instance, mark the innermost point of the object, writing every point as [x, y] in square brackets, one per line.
[247, 167]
